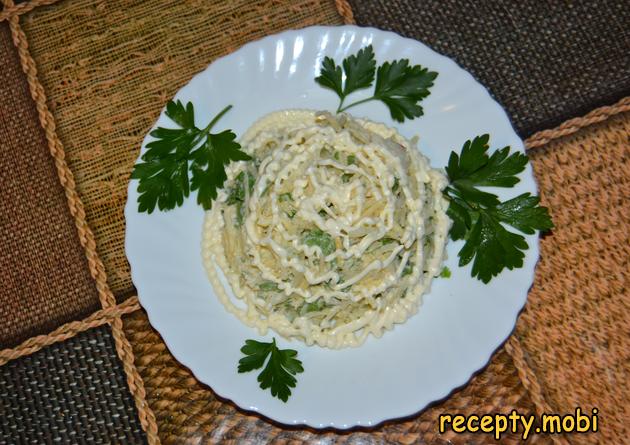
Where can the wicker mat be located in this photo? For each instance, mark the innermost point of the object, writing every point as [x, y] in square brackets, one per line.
[106, 69]
[75, 392]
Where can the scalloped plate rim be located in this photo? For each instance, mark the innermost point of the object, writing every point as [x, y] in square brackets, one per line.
[155, 318]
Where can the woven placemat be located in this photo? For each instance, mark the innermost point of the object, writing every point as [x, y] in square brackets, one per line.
[72, 392]
[43, 271]
[545, 62]
[576, 326]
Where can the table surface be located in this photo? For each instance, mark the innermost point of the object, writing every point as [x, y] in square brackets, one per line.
[83, 80]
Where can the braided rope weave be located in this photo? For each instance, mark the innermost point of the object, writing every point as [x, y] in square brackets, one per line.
[69, 330]
[345, 11]
[11, 10]
[572, 125]
[530, 382]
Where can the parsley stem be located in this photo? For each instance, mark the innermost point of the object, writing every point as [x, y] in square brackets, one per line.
[216, 118]
[206, 130]
[341, 109]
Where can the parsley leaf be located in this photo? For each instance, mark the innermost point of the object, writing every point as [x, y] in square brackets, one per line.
[492, 247]
[478, 215]
[279, 371]
[314, 306]
[399, 85]
[476, 168]
[331, 76]
[163, 174]
[458, 213]
[320, 239]
[523, 213]
[208, 165]
[359, 70]
[236, 193]
[268, 286]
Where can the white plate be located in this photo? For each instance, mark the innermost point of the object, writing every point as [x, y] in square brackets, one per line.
[461, 322]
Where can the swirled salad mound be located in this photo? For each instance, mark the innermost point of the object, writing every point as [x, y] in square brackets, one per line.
[333, 232]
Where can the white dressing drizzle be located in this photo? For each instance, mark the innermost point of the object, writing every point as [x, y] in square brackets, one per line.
[343, 231]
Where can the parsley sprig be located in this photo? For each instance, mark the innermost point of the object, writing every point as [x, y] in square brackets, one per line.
[399, 85]
[478, 215]
[184, 159]
[281, 366]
